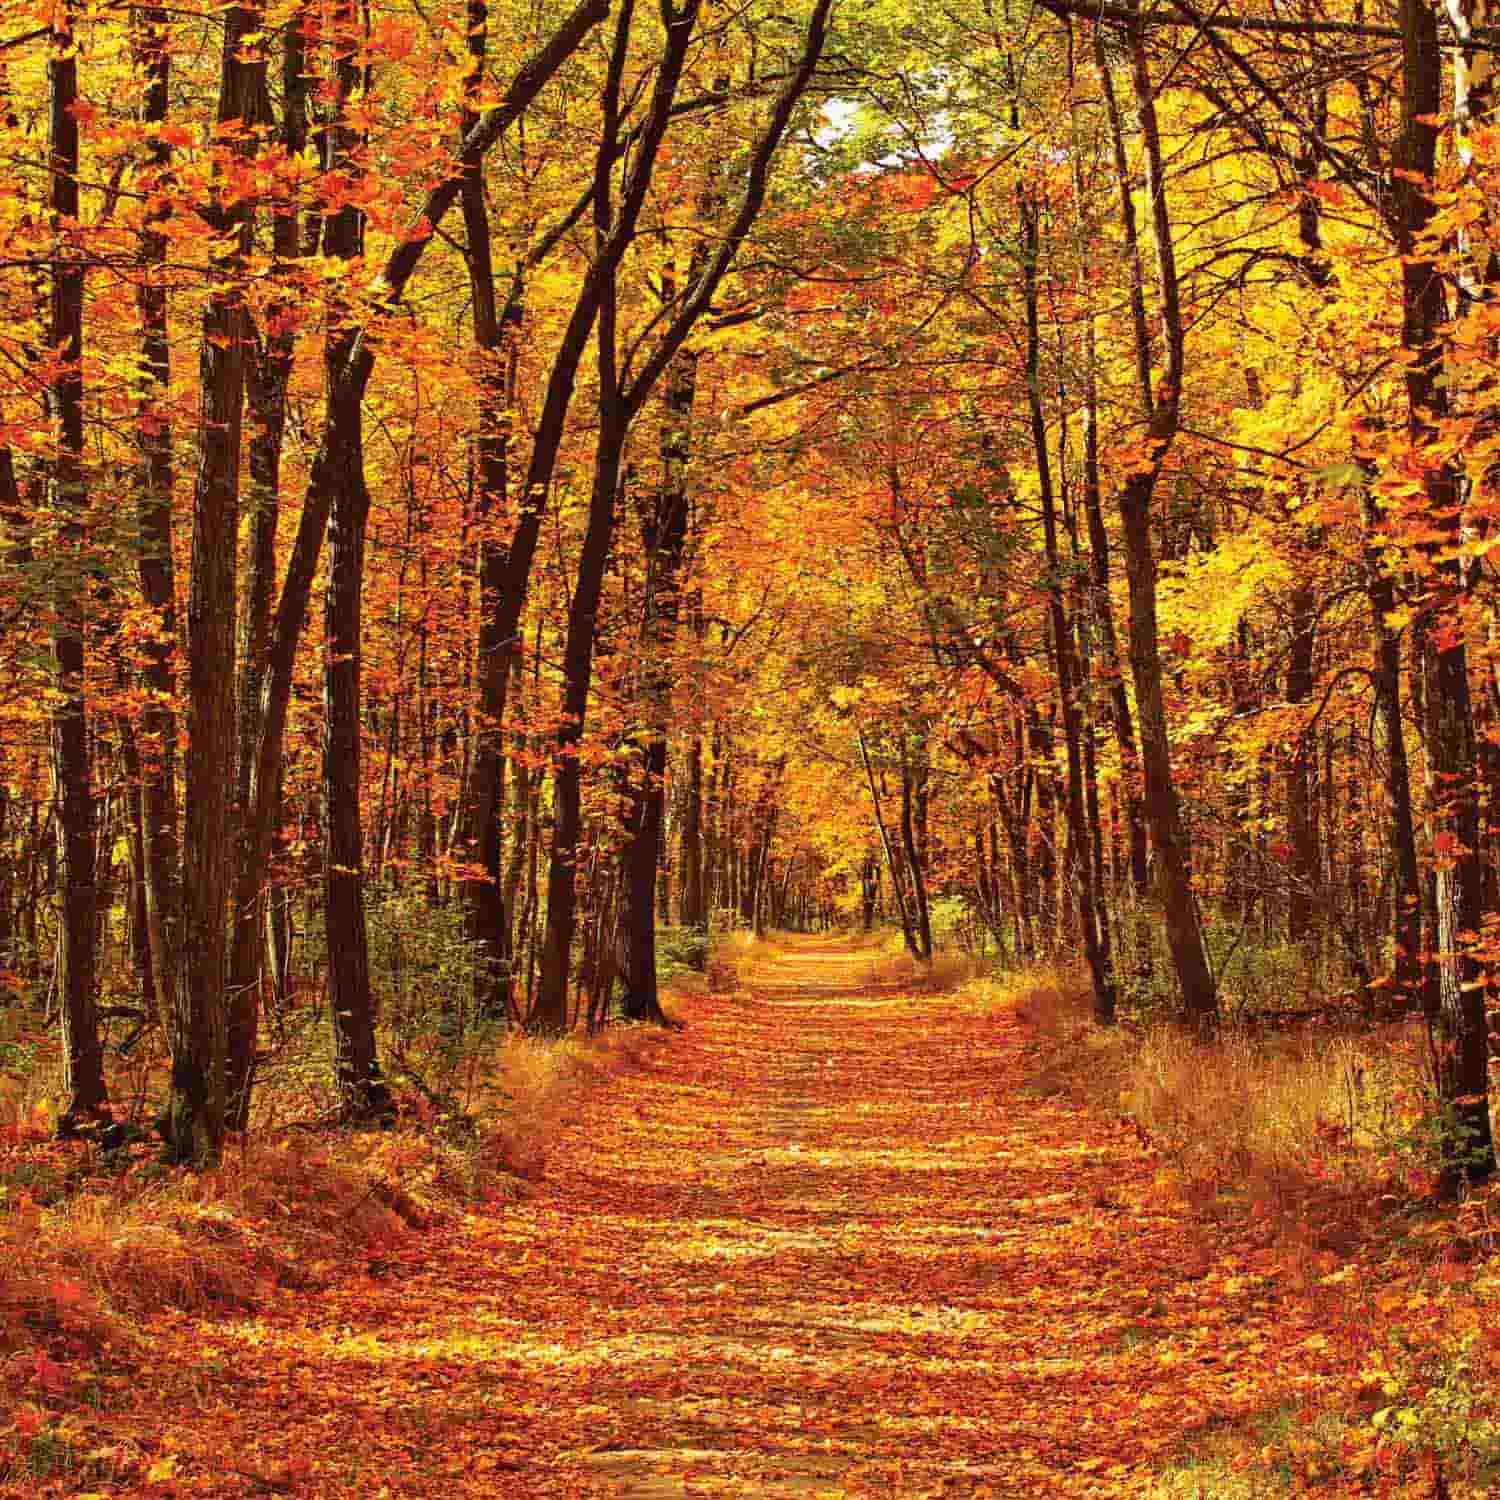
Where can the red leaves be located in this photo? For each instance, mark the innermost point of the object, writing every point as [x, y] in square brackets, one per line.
[50, 1376]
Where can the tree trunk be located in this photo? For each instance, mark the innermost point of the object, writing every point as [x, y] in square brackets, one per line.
[196, 1111]
[1199, 1003]
[1091, 918]
[268, 378]
[486, 923]
[692, 890]
[915, 860]
[1457, 1010]
[356, 1066]
[1301, 814]
[1406, 899]
[550, 1014]
[665, 517]
[85, 1099]
[156, 742]
[898, 886]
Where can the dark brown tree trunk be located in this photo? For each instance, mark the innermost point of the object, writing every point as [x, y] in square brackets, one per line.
[357, 1068]
[869, 892]
[692, 888]
[156, 741]
[893, 867]
[85, 1099]
[1091, 917]
[550, 1014]
[350, 998]
[486, 922]
[761, 870]
[268, 377]
[1198, 1001]
[140, 926]
[913, 758]
[195, 1122]
[1301, 814]
[1041, 859]
[665, 516]
[1457, 1008]
[1406, 899]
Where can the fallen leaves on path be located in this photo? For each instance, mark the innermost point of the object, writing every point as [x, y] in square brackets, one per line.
[822, 1243]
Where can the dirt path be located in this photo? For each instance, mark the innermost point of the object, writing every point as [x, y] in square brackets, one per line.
[824, 1243]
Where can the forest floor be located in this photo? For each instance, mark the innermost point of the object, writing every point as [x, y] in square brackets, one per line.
[828, 1241]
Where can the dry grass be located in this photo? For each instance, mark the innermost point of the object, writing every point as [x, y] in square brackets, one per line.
[89, 1243]
[1270, 1105]
[947, 971]
[1282, 1119]
[734, 954]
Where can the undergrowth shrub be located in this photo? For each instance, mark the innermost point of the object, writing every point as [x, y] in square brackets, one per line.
[948, 970]
[956, 924]
[1279, 1115]
[88, 1237]
[734, 954]
[1254, 976]
[681, 950]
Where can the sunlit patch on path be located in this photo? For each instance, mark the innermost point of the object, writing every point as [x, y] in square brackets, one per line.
[814, 1248]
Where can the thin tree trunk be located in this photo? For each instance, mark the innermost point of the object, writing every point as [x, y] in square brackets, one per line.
[1199, 1003]
[356, 1065]
[1302, 823]
[157, 739]
[268, 378]
[1406, 899]
[486, 924]
[199, 1031]
[550, 1014]
[692, 889]
[915, 862]
[898, 889]
[1091, 917]
[85, 1098]
[1457, 1009]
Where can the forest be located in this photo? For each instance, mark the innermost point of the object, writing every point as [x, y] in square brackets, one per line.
[714, 562]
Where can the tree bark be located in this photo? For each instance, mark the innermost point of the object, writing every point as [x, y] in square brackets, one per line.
[1198, 1001]
[1406, 898]
[486, 923]
[268, 377]
[157, 739]
[665, 518]
[692, 889]
[916, 862]
[898, 886]
[1091, 917]
[356, 1065]
[1457, 1008]
[85, 1098]
[1301, 814]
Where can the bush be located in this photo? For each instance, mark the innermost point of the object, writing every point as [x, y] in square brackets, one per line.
[1254, 976]
[681, 950]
